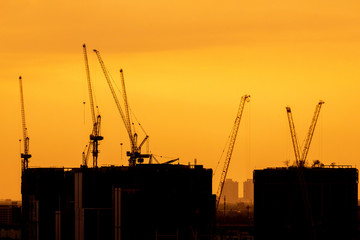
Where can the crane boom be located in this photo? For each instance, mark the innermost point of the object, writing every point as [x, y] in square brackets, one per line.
[234, 132]
[311, 132]
[137, 147]
[143, 141]
[95, 135]
[125, 99]
[293, 135]
[135, 153]
[25, 156]
[127, 126]
[85, 154]
[89, 85]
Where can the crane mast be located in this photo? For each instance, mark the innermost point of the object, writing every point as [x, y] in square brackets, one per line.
[25, 156]
[293, 135]
[135, 153]
[95, 135]
[234, 132]
[311, 132]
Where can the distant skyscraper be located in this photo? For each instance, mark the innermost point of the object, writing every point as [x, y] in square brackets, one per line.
[248, 187]
[230, 191]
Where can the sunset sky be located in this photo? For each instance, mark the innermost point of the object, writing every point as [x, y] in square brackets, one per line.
[186, 65]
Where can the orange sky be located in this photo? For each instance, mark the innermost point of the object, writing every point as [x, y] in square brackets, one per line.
[186, 67]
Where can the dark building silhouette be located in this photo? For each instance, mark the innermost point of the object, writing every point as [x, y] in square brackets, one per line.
[140, 202]
[10, 219]
[315, 203]
[10, 212]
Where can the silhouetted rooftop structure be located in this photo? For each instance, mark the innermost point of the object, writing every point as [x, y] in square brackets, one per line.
[146, 201]
[312, 203]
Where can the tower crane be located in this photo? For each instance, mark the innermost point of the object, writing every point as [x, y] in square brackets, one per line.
[300, 160]
[234, 132]
[95, 135]
[135, 153]
[25, 156]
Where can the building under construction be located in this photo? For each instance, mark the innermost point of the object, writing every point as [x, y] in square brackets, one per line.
[146, 201]
[141, 201]
[317, 203]
[306, 203]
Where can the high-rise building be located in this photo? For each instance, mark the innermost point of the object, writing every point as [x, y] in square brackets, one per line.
[248, 191]
[230, 191]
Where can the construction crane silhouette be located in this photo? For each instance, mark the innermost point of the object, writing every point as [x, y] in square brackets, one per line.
[95, 134]
[24, 156]
[311, 132]
[301, 160]
[135, 155]
[234, 132]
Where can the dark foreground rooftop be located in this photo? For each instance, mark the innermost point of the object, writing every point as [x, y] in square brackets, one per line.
[305, 203]
[141, 202]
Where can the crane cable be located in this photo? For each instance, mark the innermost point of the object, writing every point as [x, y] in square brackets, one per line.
[122, 95]
[249, 133]
[222, 154]
[129, 108]
[228, 139]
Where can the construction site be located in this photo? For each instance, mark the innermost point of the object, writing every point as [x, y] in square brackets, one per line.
[150, 199]
[306, 202]
[144, 200]
[323, 205]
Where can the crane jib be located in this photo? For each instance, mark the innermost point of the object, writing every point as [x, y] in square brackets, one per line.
[234, 132]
